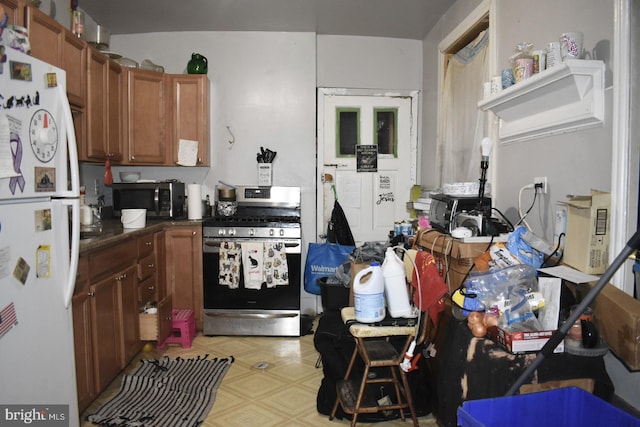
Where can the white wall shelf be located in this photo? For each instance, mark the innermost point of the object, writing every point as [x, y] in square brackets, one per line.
[563, 98]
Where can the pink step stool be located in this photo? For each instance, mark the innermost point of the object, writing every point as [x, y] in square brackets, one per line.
[185, 324]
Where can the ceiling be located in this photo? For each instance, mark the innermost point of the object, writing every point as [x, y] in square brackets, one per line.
[408, 19]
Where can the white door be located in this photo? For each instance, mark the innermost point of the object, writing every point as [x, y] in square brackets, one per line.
[366, 156]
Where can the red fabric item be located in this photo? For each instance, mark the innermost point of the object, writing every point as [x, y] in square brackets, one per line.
[432, 286]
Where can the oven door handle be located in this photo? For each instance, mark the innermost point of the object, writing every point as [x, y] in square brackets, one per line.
[249, 314]
[213, 246]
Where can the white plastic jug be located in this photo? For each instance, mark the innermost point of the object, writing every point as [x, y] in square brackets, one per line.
[368, 296]
[395, 285]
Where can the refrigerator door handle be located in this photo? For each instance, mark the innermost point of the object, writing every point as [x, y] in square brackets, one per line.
[75, 249]
[74, 167]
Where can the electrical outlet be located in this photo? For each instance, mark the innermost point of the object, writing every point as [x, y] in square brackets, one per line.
[541, 181]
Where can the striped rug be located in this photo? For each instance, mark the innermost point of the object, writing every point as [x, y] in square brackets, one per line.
[167, 392]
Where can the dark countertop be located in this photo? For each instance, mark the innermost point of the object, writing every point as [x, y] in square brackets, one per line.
[110, 231]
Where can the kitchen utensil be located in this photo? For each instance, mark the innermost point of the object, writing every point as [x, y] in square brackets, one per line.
[127, 62]
[197, 65]
[227, 194]
[226, 208]
[129, 176]
[146, 64]
[99, 37]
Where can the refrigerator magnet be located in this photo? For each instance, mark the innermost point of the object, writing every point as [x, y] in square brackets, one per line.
[20, 70]
[43, 259]
[43, 220]
[45, 179]
[21, 270]
[8, 319]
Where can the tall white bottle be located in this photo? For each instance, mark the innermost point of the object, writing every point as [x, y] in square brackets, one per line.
[395, 285]
[368, 294]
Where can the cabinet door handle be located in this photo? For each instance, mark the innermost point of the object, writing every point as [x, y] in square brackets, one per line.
[193, 233]
[91, 294]
[151, 265]
[148, 243]
[151, 288]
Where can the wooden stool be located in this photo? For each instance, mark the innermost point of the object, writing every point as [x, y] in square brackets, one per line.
[376, 352]
[184, 323]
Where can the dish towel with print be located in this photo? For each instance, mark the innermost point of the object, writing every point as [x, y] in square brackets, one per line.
[276, 272]
[229, 268]
[252, 263]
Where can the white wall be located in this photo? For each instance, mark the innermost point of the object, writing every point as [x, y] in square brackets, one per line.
[573, 162]
[369, 62]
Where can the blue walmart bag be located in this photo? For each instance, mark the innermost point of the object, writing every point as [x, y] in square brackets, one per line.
[323, 259]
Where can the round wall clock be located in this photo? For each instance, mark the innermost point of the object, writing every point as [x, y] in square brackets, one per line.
[43, 133]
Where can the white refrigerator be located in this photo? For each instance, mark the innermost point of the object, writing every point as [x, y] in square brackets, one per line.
[39, 242]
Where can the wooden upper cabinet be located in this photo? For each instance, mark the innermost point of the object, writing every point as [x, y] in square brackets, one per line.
[189, 114]
[45, 36]
[15, 11]
[145, 117]
[104, 108]
[96, 141]
[74, 62]
[51, 42]
[115, 131]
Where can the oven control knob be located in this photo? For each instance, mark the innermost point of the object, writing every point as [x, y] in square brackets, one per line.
[281, 232]
[252, 232]
[271, 232]
[232, 232]
[221, 232]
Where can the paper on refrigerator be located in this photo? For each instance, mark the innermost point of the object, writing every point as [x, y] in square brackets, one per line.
[7, 127]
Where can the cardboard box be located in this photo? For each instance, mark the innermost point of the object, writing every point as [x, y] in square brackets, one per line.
[454, 257]
[616, 315]
[523, 342]
[586, 245]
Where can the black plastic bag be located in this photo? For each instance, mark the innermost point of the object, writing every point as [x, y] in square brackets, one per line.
[338, 230]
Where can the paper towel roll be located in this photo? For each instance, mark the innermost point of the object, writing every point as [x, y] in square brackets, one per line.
[194, 201]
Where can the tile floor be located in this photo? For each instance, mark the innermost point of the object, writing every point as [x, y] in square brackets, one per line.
[282, 393]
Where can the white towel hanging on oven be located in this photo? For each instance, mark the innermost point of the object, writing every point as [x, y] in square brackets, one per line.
[252, 262]
[275, 264]
[229, 264]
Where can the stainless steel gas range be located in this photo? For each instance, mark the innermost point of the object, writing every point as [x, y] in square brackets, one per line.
[252, 265]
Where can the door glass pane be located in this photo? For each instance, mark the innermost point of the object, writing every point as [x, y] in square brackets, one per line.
[348, 131]
[386, 130]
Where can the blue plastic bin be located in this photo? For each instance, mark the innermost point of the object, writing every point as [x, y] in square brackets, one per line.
[566, 407]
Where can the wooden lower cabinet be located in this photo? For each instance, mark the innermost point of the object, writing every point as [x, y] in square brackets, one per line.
[129, 327]
[105, 318]
[107, 341]
[184, 268]
[81, 304]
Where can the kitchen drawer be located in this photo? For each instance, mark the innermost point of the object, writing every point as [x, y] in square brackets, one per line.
[145, 245]
[148, 290]
[148, 327]
[147, 266]
[112, 258]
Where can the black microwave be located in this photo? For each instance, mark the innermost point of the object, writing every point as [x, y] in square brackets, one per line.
[160, 199]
